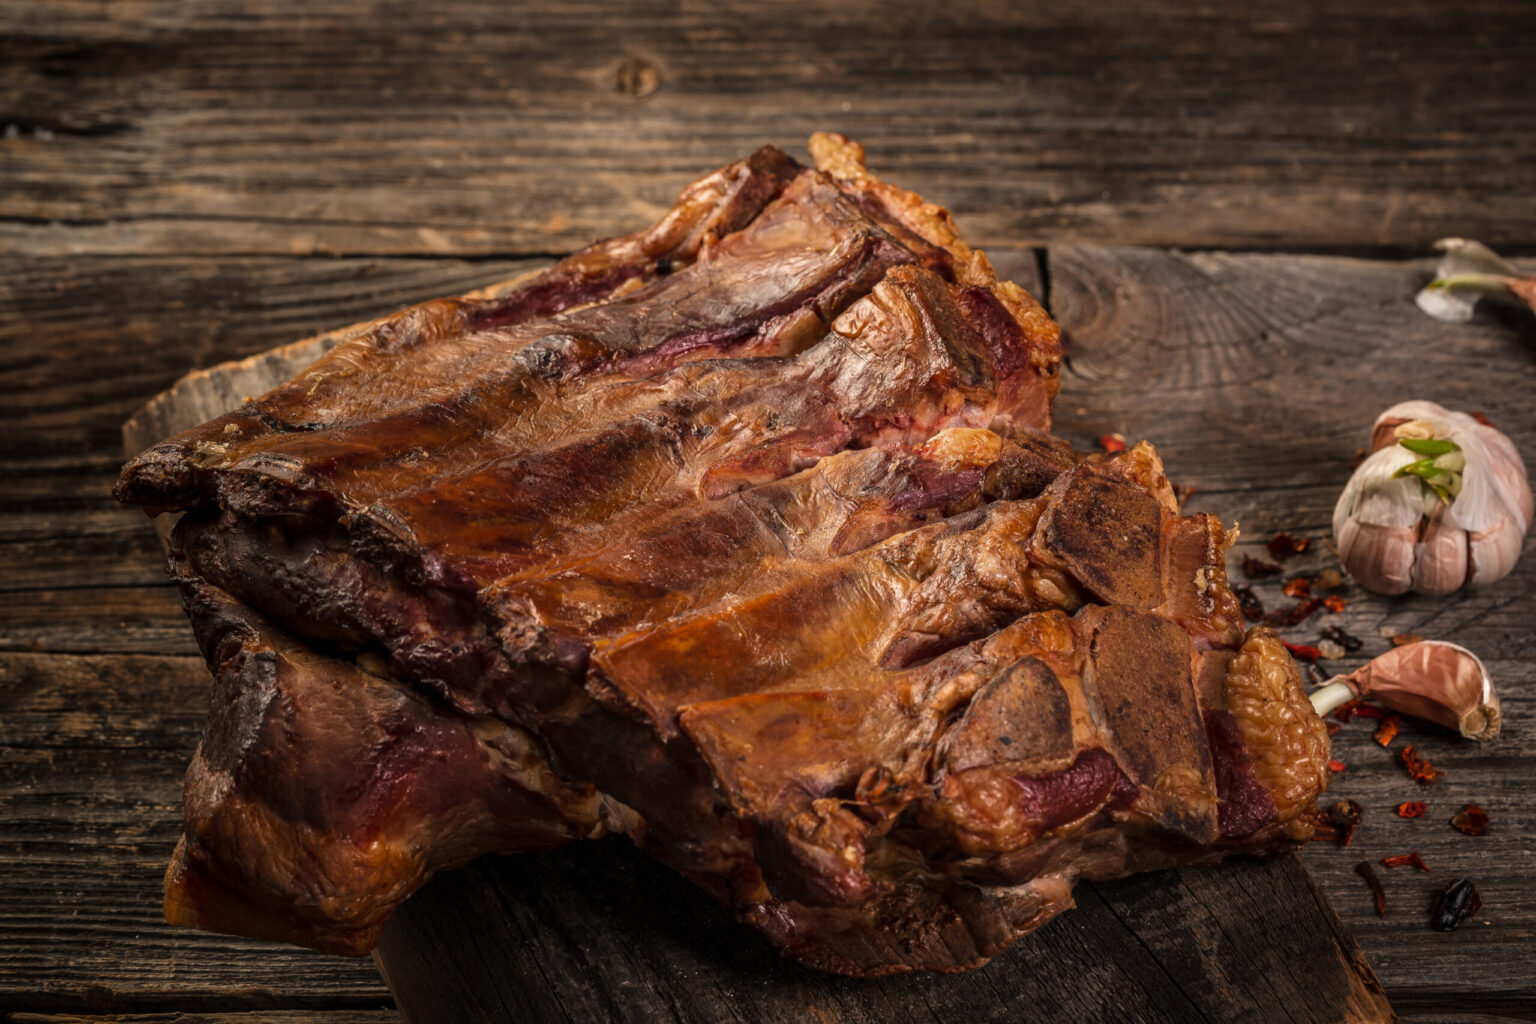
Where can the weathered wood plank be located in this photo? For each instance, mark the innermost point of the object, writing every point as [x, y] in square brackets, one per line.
[1240, 463]
[1258, 378]
[92, 754]
[598, 932]
[93, 620]
[251, 1017]
[463, 127]
[1486, 964]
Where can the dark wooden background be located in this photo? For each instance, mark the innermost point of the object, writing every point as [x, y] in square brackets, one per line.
[186, 183]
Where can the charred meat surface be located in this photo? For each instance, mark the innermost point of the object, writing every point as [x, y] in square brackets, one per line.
[743, 536]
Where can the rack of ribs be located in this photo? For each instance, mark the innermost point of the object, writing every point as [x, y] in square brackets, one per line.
[743, 536]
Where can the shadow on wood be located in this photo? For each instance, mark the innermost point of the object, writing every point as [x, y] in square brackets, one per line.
[598, 932]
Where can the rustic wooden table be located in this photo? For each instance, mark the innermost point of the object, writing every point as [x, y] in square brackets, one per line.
[1226, 210]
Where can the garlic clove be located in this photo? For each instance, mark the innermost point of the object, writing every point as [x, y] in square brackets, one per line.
[1440, 556]
[1492, 553]
[1380, 557]
[1441, 682]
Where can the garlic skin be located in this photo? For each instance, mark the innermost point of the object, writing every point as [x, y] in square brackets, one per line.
[1468, 271]
[1432, 679]
[1428, 520]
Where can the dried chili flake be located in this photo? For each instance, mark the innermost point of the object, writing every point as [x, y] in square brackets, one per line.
[1248, 601]
[1386, 732]
[1458, 902]
[1346, 814]
[1342, 637]
[1482, 418]
[1283, 545]
[1472, 820]
[1298, 587]
[1335, 766]
[1304, 610]
[1322, 826]
[1419, 767]
[1296, 614]
[1411, 809]
[1402, 639]
[1352, 709]
[1258, 569]
[1405, 860]
[1302, 652]
[1365, 871]
[1346, 711]
[1333, 728]
[1112, 443]
[1334, 603]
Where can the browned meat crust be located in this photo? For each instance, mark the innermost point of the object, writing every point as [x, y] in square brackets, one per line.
[741, 536]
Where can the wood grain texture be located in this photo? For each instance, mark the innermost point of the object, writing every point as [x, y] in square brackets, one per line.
[599, 932]
[460, 127]
[250, 1017]
[1258, 378]
[1206, 354]
[92, 755]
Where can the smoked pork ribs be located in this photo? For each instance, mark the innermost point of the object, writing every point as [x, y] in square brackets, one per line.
[742, 536]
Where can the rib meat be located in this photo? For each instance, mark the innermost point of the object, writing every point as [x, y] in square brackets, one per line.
[741, 536]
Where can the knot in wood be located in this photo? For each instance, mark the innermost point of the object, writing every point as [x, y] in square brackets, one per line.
[637, 77]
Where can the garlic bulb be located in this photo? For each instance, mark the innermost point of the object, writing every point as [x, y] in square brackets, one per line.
[1442, 501]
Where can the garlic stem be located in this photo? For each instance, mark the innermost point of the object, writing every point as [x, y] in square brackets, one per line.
[1334, 693]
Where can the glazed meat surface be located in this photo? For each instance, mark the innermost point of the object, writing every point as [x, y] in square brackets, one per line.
[743, 536]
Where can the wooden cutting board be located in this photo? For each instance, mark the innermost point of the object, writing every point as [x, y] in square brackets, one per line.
[597, 932]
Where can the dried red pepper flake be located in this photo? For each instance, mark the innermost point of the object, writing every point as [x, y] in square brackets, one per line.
[1412, 809]
[1405, 860]
[1365, 871]
[1302, 652]
[1300, 613]
[1419, 767]
[1472, 820]
[1258, 569]
[1112, 443]
[1333, 728]
[1346, 814]
[1298, 587]
[1342, 637]
[1334, 603]
[1402, 639]
[1322, 826]
[1335, 766]
[1386, 732]
[1352, 709]
[1248, 601]
[1483, 419]
[1346, 711]
[1297, 613]
[1283, 545]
